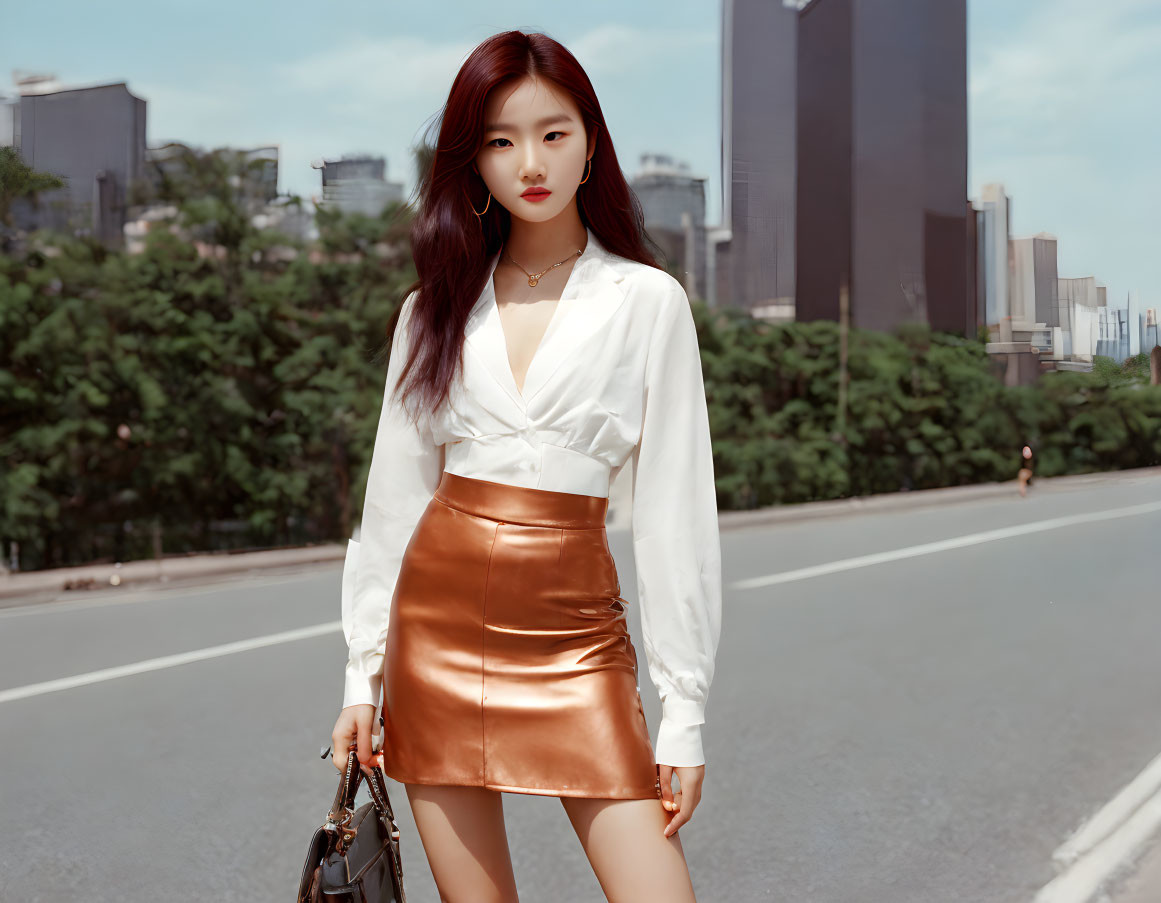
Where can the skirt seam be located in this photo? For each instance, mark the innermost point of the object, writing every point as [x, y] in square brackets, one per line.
[484, 661]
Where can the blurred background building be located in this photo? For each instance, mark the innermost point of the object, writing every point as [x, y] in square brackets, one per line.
[92, 137]
[253, 171]
[1149, 324]
[358, 184]
[993, 235]
[1113, 338]
[673, 200]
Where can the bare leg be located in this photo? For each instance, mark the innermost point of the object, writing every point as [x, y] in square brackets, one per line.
[633, 860]
[463, 834]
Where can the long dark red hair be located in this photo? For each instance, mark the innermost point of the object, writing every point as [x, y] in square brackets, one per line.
[452, 247]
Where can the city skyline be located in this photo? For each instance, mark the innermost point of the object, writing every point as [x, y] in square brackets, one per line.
[1057, 94]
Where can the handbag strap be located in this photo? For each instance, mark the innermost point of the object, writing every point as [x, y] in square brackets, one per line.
[343, 807]
[378, 790]
[377, 786]
[344, 803]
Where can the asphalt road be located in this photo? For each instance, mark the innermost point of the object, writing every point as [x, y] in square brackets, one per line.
[916, 728]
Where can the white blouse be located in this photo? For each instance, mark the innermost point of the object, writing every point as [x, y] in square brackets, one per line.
[617, 374]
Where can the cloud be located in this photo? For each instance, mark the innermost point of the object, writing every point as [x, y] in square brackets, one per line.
[381, 70]
[1071, 65]
[608, 49]
[377, 93]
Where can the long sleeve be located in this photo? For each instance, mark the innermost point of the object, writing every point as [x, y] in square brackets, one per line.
[676, 547]
[405, 469]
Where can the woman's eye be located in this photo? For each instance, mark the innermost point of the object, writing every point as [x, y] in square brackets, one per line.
[492, 143]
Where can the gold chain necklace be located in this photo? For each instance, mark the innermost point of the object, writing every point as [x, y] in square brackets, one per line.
[533, 278]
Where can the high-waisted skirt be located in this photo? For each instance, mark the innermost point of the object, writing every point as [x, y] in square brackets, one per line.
[508, 662]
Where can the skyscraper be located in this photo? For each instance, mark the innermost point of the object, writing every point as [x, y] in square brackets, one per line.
[755, 265]
[993, 241]
[882, 163]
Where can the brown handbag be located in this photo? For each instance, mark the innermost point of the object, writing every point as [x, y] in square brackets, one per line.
[354, 857]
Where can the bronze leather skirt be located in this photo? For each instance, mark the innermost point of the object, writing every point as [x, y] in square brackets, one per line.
[508, 662]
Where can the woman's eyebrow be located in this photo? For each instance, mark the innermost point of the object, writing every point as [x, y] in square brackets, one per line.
[540, 123]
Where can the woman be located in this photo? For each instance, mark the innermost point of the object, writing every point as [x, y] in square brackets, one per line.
[540, 350]
[1024, 474]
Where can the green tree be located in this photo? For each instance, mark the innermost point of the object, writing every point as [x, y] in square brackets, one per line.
[200, 383]
[19, 180]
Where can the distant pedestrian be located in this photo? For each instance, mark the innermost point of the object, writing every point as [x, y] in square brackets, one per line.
[1025, 474]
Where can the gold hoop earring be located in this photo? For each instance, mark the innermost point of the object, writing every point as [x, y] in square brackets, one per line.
[588, 170]
[486, 206]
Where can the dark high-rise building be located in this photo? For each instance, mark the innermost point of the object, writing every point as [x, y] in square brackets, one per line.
[754, 265]
[882, 163]
[94, 138]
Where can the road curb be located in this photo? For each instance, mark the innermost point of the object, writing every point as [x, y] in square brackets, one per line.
[25, 588]
[918, 498]
[21, 589]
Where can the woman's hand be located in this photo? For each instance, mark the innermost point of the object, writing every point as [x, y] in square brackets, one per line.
[682, 804]
[353, 728]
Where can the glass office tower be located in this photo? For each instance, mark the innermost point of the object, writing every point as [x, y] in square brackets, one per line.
[882, 163]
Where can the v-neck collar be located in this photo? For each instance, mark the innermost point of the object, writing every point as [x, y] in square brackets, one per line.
[592, 292]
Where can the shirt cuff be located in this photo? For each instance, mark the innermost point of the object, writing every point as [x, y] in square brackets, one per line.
[360, 688]
[679, 737]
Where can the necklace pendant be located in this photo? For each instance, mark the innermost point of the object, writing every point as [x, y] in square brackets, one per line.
[532, 280]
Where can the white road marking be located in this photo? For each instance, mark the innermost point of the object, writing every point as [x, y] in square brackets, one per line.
[929, 548]
[1094, 852]
[846, 564]
[1114, 836]
[1112, 815]
[169, 661]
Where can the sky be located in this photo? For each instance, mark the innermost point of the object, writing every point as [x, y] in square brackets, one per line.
[1063, 95]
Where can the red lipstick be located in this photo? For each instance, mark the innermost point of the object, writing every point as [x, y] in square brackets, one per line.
[535, 194]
